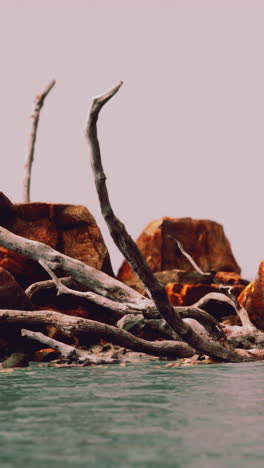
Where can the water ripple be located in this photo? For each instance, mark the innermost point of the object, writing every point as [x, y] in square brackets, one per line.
[137, 416]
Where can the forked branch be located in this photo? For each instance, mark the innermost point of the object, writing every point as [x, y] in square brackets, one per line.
[130, 250]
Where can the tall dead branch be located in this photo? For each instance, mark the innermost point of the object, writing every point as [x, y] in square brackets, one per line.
[130, 250]
[38, 104]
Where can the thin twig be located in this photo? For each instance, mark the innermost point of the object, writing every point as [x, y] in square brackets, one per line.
[188, 256]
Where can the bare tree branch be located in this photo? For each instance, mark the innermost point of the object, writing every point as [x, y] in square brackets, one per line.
[93, 279]
[47, 285]
[214, 328]
[96, 281]
[233, 302]
[120, 308]
[130, 250]
[39, 101]
[72, 325]
[67, 351]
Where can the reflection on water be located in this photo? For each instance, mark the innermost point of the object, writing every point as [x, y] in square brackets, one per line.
[137, 416]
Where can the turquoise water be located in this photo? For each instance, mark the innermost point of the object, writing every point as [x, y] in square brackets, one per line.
[135, 416]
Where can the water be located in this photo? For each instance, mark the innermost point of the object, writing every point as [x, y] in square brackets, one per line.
[135, 416]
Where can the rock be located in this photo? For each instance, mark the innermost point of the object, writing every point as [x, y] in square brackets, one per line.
[70, 229]
[232, 278]
[187, 294]
[184, 288]
[181, 276]
[45, 355]
[204, 240]
[6, 206]
[68, 216]
[12, 296]
[252, 298]
[171, 276]
[16, 360]
[3, 348]
[179, 280]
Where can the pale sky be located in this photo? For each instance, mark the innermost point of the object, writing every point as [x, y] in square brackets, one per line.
[184, 135]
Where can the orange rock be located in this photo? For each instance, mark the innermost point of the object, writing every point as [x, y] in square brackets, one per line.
[45, 355]
[181, 294]
[187, 294]
[83, 243]
[71, 229]
[252, 298]
[192, 278]
[12, 296]
[232, 278]
[204, 240]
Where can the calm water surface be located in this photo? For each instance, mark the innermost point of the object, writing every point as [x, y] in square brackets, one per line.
[134, 416]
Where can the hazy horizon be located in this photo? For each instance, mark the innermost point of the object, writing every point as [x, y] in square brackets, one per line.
[183, 137]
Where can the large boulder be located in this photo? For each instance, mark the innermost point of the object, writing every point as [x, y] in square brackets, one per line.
[252, 298]
[190, 287]
[12, 296]
[70, 229]
[203, 239]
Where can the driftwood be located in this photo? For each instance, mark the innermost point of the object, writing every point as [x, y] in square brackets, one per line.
[130, 250]
[86, 275]
[39, 101]
[71, 325]
[95, 286]
[230, 297]
[214, 328]
[103, 283]
[68, 352]
[65, 285]
[97, 281]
